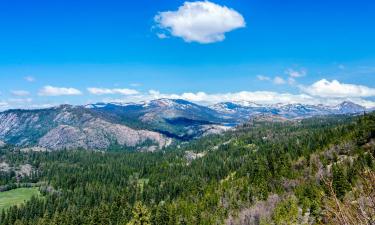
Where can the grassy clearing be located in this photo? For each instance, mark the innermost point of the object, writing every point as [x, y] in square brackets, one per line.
[16, 196]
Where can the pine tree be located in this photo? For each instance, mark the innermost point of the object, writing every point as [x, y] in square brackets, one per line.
[141, 215]
[340, 182]
[162, 215]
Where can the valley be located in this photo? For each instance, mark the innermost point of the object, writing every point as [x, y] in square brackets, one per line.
[194, 112]
[264, 171]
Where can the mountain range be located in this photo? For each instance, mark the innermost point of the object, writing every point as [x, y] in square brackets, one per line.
[144, 126]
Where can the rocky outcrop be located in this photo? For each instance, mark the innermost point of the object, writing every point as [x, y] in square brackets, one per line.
[145, 125]
[99, 134]
[253, 215]
[72, 127]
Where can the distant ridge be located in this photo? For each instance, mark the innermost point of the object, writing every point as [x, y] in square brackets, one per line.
[147, 125]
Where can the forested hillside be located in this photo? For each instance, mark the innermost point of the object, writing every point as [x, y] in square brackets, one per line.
[312, 171]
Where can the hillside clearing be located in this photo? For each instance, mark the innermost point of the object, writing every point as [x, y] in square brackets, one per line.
[16, 196]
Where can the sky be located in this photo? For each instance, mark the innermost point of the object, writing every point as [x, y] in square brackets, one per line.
[81, 52]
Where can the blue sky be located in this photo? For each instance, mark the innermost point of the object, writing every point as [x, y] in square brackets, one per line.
[304, 51]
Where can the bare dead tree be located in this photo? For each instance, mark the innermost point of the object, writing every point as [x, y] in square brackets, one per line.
[357, 208]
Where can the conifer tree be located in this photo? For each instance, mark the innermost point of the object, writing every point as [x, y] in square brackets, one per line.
[340, 182]
[141, 215]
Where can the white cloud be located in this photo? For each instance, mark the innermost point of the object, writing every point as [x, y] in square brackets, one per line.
[58, 91]
[278, 80]
[153, 94]
[107, 91]
[263, 78]
[20, 93]
[325, 88]
[260, 97]
[200, 21]
[29, 79]
[263, 97]
[295, 74]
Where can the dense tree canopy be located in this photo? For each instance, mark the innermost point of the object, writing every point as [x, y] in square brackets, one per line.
[238, 169]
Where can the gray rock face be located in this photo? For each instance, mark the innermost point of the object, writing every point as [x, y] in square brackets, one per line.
[190, 155]
[2, 144]
[68, 127]
[98, 134]
[145, 126]
[214, 129]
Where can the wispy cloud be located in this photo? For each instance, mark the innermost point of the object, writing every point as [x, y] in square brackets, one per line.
[263, 78]
[162, 35]
[29, 78]
[58, 91]
[341, 67]
[201, 21]
[278, 80]
[19, 101]
[296, 73]
[107, 91]
[3, 104]
[20, 93]
[135, 84]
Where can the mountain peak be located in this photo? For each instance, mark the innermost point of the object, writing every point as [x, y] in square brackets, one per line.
[348, 107]
[348, 103]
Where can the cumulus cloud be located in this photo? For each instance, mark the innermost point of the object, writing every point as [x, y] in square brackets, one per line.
[307, 95]
[20, 93]
[29, 79]
[201, 21]
[107, 91]
[326, 88]
[58, 91]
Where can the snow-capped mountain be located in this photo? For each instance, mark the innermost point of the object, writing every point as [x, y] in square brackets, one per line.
[101, 125]
[349, 108]
[172, 117]
[286, 110]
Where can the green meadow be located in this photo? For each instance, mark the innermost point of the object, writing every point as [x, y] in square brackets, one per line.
[16, 196]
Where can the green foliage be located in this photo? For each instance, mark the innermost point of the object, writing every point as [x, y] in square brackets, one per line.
[340, 181]
[286, 212]
[239, 168]
[16, 197]
[141, 215]
[309, 196]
